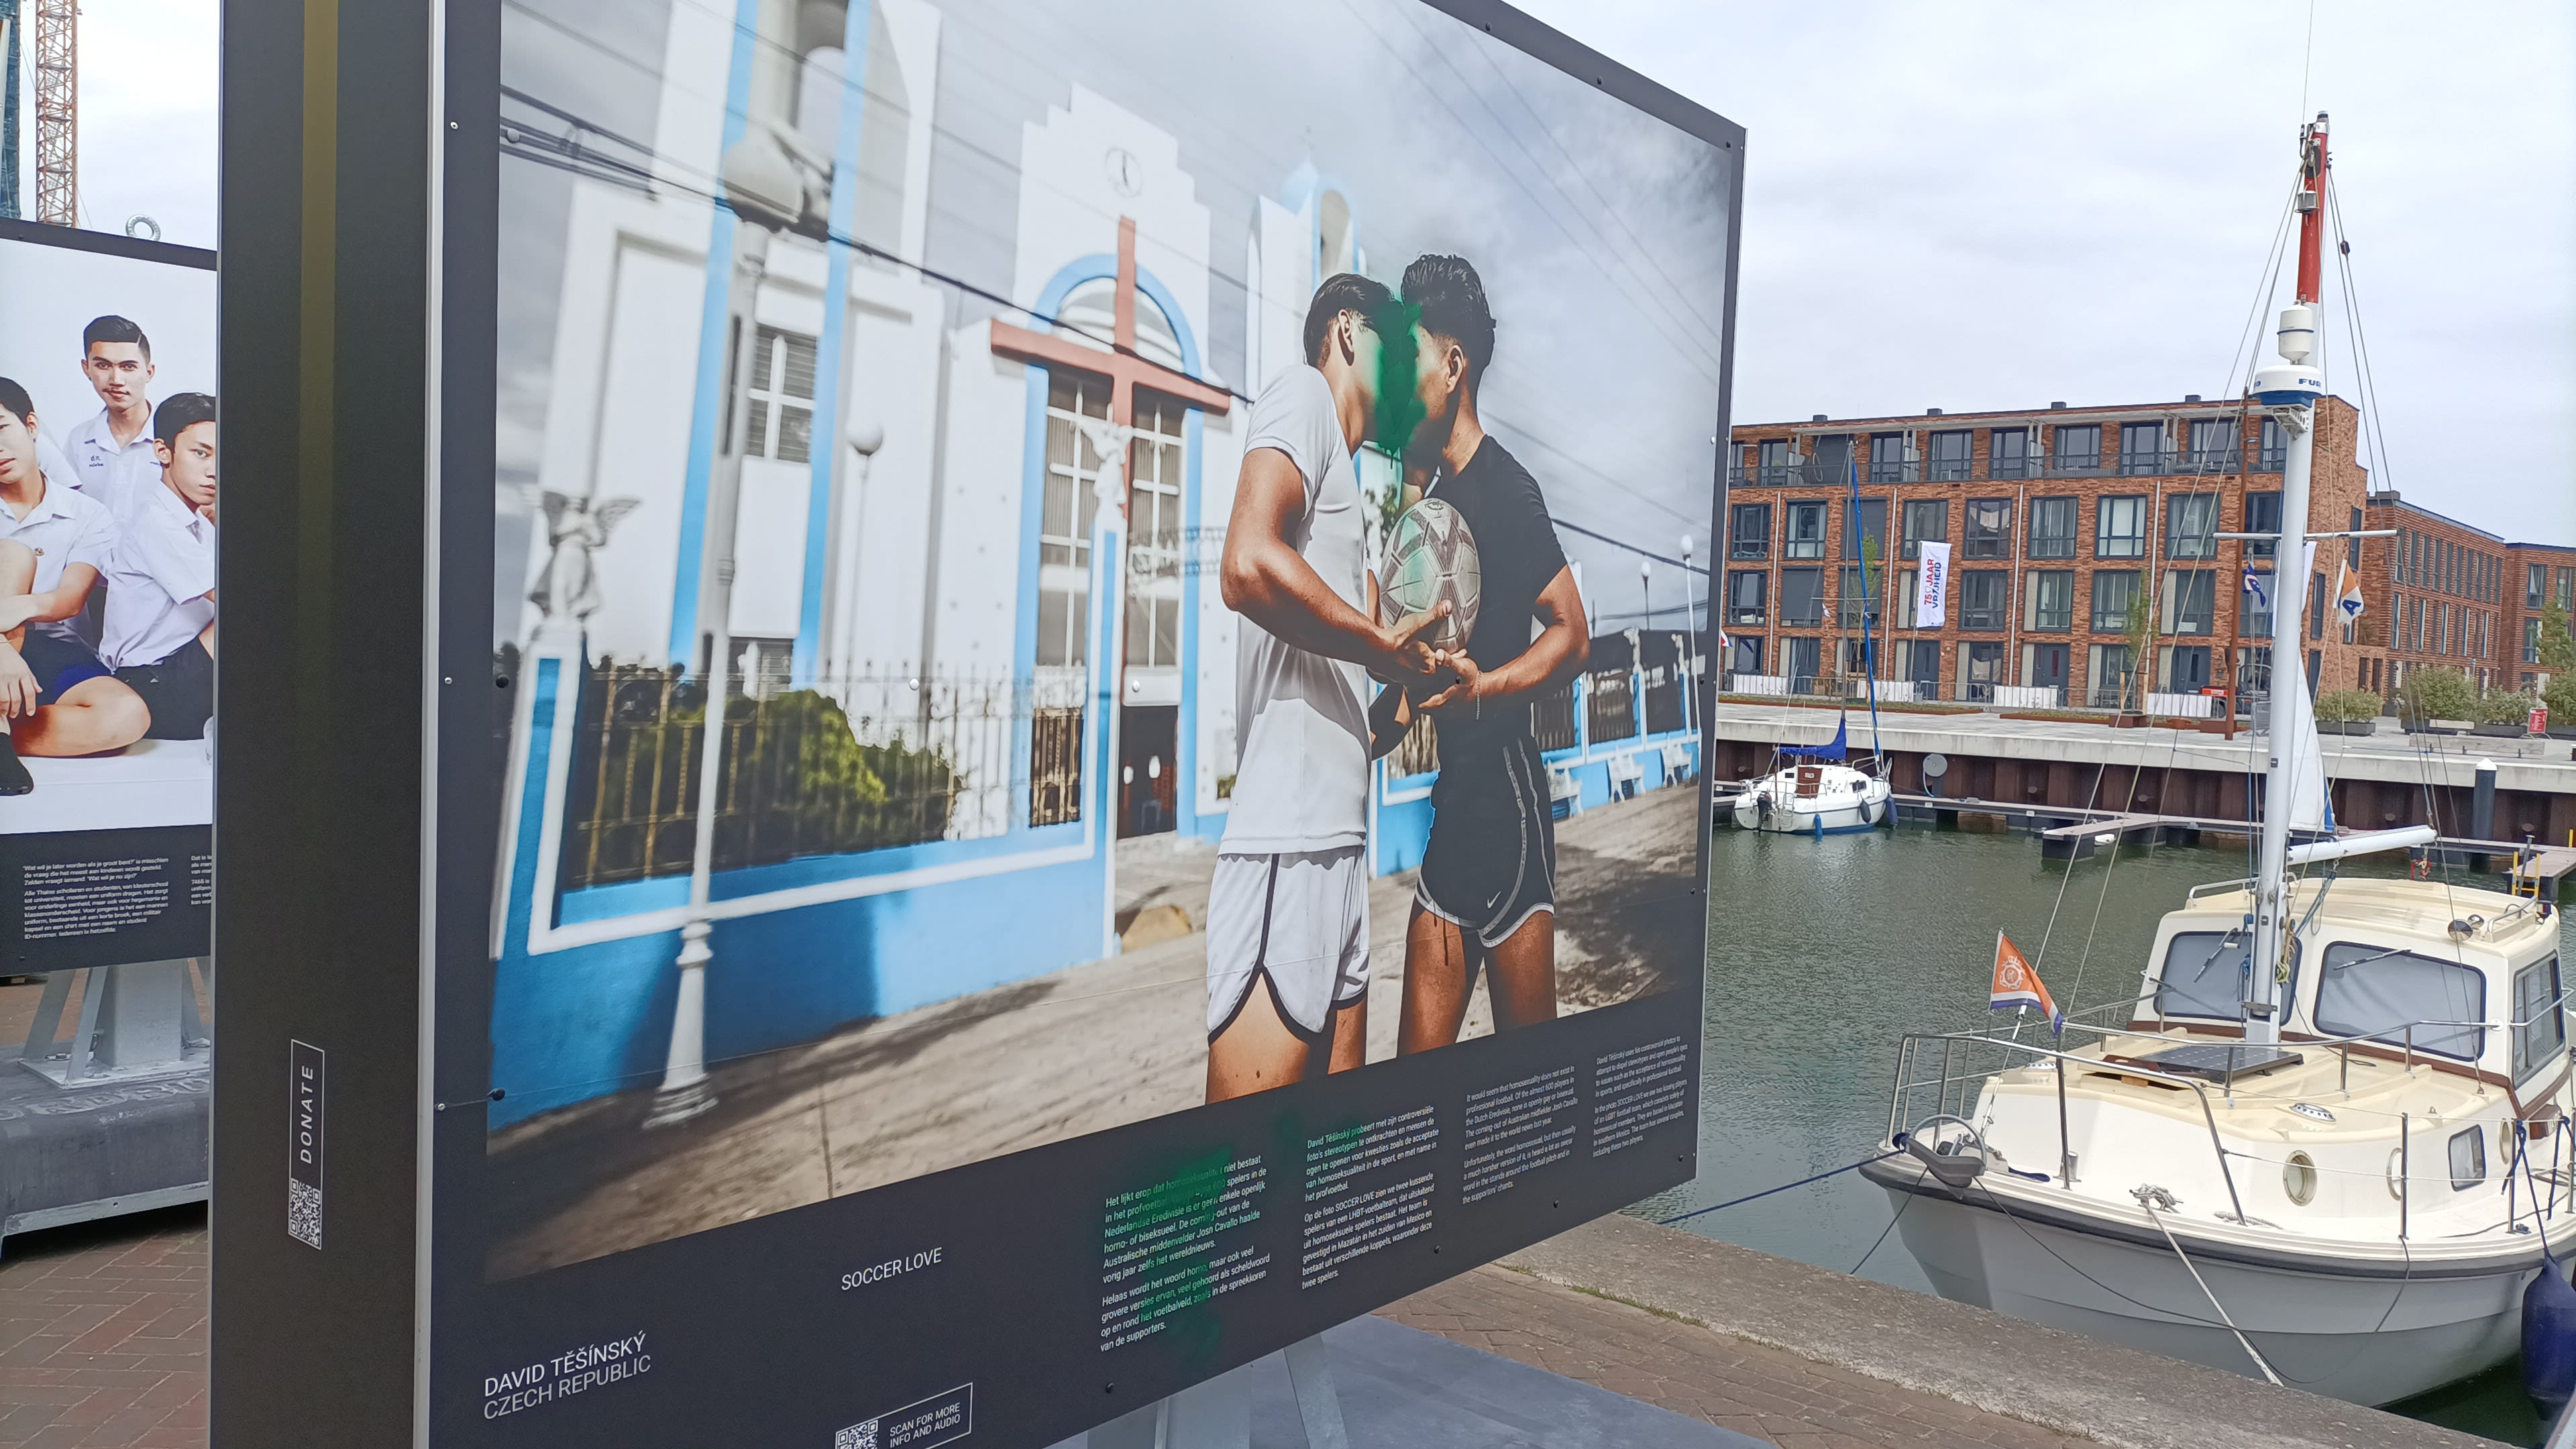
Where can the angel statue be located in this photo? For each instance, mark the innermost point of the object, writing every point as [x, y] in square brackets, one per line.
[575, 526]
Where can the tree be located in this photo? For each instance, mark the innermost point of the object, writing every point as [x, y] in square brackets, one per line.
[2557, 642]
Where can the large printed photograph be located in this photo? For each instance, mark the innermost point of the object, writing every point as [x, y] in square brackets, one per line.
[1052, 572]
[108, 480]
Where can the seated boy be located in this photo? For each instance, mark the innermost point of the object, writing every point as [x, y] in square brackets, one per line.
[160, 630]
[56, 697]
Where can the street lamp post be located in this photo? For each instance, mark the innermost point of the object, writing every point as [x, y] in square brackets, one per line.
[1690, 627]
[768, 194]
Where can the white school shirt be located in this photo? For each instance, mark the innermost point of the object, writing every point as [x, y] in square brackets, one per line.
[51, 462]
[1302, 782]
[158, 576]
[114, 476]
[65, 527]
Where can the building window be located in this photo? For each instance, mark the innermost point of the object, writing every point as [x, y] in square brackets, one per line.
[1777, 460]
[2191, 525]
[1156, 473]
[2120, 527]
[1985, 599]
[1806, 531]
[1989, 531]
[2535, 586]
[1744, 655]
[2008, 453]
[2316, 606]
[1798, 659]
[1750, 535]
[1887, 461]
[1950, 457]
[1065, 515]
[2115, 592]
[2190, 602]
[2051, 609]
[2142, 449]
[2274, 451]
[1865, 518]
[2213, 445]
[1919, 660]
[2106, 674]
[2531, 641]
[1927, 520]
[1802, 597]
[2053, 527]
[2405, 555]
[2078, 451]
[1981, 668]
[779, 404]
[1852, 595]
[1901, 599]
[2263, 515]
[1747, 595]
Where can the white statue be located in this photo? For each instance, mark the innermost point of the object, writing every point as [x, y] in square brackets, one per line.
[569, 587]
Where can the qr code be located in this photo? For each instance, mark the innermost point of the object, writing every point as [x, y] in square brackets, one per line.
[857, 1436]
[304, 1222]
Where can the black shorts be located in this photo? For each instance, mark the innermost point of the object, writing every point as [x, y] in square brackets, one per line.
[59, 664]
[1491, 863]
[180, 692]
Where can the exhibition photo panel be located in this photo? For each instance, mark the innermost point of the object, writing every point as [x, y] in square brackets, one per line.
[1028, 615]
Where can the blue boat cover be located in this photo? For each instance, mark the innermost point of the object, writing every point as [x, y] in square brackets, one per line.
[1831, 749]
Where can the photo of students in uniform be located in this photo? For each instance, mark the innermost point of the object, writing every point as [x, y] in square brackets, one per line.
[111, 454]
[57, 697]
[159, 635]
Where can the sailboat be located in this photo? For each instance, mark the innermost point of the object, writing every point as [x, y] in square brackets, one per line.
[2326, 1142]
[1815, 789]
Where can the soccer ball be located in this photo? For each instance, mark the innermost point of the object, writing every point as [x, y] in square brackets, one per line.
[1431, 556]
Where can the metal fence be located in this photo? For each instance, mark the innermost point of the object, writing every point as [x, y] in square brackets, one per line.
[856, 765]
[1610, 706]
[2139, 463]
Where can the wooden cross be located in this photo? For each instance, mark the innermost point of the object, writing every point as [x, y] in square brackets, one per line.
[1123, 366]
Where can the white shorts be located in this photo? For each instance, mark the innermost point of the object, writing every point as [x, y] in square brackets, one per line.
[1298, 921]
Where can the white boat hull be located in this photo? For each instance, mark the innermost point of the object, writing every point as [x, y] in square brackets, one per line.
[1849, 800]
[2359, 1337]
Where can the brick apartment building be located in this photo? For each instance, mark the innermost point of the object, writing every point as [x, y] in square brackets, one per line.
[2536, 575]
[2061, 520]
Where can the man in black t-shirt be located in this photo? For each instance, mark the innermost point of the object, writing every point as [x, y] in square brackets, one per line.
[1487, 898]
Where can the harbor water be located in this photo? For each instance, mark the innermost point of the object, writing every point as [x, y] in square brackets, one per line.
[1823, 952]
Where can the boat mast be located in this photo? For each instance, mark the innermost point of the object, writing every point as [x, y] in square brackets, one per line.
[1868, 648]
[2288, 391]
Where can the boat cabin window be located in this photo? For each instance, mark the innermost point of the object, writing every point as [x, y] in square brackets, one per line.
[2539, 1018]
[2468, 1159]
[2377, 992]
[2205, 975]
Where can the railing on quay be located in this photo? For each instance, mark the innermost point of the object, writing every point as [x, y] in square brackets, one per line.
[2108, 463]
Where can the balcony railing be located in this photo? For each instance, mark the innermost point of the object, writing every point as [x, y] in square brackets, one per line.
[2153, 463]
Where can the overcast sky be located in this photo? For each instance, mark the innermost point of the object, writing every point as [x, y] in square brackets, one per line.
[2002, 204]
[1989, 206]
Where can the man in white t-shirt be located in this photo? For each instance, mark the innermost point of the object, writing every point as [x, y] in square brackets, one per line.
[111, 455]
[160, 630]
[56, 697]
[1288, 902]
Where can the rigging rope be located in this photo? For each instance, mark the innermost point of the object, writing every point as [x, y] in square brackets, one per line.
[1772, 1191]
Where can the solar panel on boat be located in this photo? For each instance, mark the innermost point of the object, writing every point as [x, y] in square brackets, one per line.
[2216, 1061]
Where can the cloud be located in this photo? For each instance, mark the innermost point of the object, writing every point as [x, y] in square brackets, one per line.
[1999, 205]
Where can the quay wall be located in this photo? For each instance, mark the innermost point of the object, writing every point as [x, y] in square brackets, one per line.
[2380, 781]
